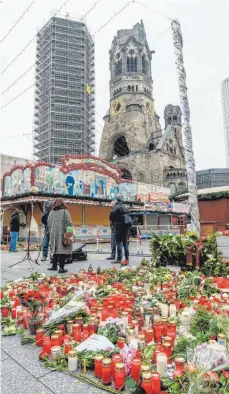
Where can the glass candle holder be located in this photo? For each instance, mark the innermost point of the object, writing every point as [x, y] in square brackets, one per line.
[156, 383]
[179, 364]
[121, 342]
[161, 364]
[39, 336]
[106, 371]
[98, 365]
[72, 360]
[5, 311]
[168, 351]
[116, 358]
[136, 369]
[54, 340]
[119, 376]
[67, 346]
[147, 382]
[46, 346]
[60, 335]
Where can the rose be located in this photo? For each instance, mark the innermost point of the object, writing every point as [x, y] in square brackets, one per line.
[211, 376]
[225, 374]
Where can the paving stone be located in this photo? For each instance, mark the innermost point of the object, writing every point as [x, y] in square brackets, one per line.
[15, 380]
[3, 356]
[25, 355]
[61, 383]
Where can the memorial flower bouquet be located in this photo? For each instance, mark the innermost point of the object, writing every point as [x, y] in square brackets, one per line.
[34, 302]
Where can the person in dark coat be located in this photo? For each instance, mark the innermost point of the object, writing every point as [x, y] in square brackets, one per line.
[14, 230]
[58, 221]
[44, 219]
[117, 218]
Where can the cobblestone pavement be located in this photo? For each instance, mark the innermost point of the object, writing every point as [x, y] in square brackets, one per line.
[21, 371]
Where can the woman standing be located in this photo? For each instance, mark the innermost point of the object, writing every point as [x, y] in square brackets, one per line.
[58, 221]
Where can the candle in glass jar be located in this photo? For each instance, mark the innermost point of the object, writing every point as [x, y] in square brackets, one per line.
[148, 321]
[106, 371]
[67, 346]
[156, 383]
[119, 376]
[55, 352]
[39, 336]
[161, 364]
[179, 364]
[121, 342]
[116, 358]
[13, 313]
[54, 340]
[5, 311]
[164, 310]
[147, 382]
[98, 365]
[172, 310]
[76, 332]
[47, 346]
[72, 360]
[135, 369]
[60, 335]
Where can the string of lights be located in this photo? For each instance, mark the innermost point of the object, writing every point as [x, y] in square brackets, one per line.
[151, 9]
[28, 44]
[16, 97]
[101, 27]
[18, 79]
[15, 24]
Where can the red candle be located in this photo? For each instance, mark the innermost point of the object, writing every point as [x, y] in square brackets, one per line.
[149, 335]
[67, 346]
[179, 364]
[62, 327]
[119, 376]
[157, 328]
[47, 346]
[5, 311]
[147, 382]
[135, 369]
[116, 358]
[121, 342]
[1, 294]
[156, 383]
[106, 371]
[76, 332]
[60, 335]
[54, 340]
[11, 293]
[13, 313]
[20, 317]
[98, 365]
[39, 336]
[168, 351]
[85, 333]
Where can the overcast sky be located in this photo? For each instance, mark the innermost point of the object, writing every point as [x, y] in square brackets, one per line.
[205, 27]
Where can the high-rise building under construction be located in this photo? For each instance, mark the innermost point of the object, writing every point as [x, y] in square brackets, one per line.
[64, 90]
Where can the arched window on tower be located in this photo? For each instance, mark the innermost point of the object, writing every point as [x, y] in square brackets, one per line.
[144, 64]
[118, 67]
[174, 118]
[131, 62]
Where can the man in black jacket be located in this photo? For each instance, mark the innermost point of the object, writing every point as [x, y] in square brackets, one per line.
[14, 230]
[117, 218]
[44, 220]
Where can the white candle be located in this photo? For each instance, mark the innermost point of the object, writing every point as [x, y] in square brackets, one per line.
[147, 321]
[72, 361]
[164, 310]
[172, 310]
[161, 364]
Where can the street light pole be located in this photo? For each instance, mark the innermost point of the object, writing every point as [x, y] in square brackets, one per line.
[189, 155]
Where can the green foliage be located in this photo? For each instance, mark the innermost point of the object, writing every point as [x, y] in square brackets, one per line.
[110, 331]
[89, 355]
[180, 349]
[214, 267]
[171, 249]
[189, 286]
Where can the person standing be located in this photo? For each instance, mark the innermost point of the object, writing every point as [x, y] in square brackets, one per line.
[44, 220]
[58, 221]
[14, 230]
[117, 218]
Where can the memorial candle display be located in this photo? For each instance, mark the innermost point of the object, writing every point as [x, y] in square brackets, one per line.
[161, 364]
[106, 371]
[98, 365]
[119, 376]
[136, 369]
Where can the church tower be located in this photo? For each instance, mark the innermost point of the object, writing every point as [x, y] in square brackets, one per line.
[132, 132]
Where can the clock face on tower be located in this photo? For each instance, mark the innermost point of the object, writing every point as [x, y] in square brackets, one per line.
[148, 107]
[116, 107]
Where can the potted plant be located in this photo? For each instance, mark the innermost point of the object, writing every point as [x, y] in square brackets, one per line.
[34, 302]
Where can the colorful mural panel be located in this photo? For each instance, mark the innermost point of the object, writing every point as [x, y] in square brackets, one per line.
[17, 182]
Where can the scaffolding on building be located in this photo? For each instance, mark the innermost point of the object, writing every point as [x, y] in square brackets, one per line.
[64, 118]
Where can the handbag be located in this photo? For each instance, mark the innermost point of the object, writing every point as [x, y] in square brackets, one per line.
[127, 220]
[68, 235]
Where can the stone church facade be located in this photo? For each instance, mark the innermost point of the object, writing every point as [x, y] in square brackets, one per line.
[132, 137]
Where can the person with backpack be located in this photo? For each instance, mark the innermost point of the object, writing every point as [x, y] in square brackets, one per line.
[44, 219]
[121, 220]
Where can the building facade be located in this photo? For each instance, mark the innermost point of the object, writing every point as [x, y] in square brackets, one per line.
[225, 105]
[8, 162]
[132, 137]
[214, 177]
[64, 91]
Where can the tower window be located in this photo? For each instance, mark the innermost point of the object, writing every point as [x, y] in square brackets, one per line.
[120, 147]
[132, 88]
[118, 67]
[144, 65]
[151, 146]
[131, 64]
[129, 88]
[136, 88]
[174, 118]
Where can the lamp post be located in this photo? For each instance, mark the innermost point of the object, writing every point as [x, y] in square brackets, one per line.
[189, 156]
